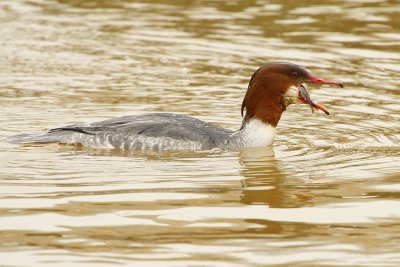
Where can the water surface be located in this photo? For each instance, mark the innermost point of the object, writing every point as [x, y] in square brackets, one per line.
[327, 192]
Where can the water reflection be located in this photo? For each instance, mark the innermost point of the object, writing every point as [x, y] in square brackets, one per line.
[263, 179]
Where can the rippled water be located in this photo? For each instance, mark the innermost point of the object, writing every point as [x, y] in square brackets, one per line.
[327, 193]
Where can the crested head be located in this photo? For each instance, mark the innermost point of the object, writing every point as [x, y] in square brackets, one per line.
[281, 72]
[272, 88]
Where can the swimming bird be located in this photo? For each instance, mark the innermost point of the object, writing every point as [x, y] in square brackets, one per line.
[271, 89]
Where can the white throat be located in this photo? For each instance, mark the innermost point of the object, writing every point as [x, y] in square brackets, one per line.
[255, 133]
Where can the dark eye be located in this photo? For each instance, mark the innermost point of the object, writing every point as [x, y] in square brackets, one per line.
[294, 75]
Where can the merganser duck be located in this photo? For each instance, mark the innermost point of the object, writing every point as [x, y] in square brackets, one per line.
[271, 89]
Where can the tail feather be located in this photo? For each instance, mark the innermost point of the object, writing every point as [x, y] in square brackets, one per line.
[41, 138]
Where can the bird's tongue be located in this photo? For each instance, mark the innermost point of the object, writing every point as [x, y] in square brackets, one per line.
[304, 96]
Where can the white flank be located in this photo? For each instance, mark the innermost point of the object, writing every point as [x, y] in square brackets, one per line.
[134, 142]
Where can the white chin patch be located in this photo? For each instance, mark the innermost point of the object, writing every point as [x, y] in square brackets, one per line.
[291, 96]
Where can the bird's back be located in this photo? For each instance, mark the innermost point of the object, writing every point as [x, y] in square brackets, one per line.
[156, 131]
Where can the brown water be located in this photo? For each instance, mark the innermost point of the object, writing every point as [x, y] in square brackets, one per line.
[327, 193]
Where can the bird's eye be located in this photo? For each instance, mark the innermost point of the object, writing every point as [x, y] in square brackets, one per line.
[294, 75]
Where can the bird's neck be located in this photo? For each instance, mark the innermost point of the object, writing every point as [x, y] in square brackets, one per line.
[263, 104]
[253, 133]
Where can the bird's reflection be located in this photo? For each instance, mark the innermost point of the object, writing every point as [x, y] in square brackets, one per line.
[266, 182]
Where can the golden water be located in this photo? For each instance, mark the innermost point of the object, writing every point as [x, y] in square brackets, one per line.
[326, 194]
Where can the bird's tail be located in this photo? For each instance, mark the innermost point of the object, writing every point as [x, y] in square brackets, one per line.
[41, 138]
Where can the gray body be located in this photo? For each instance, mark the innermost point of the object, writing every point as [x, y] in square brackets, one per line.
[156, 131]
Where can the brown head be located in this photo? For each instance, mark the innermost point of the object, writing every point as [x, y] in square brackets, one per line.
[273, 87]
